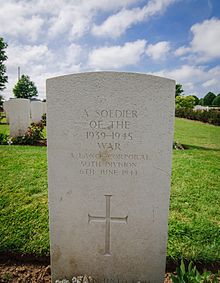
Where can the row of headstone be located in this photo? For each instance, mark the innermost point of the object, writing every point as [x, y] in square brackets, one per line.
[38, 108]
[21, 112]
[109, 157]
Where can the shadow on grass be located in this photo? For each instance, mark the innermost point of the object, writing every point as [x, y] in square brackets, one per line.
[189, 146]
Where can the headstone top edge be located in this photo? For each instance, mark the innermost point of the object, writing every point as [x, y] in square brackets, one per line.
[109, 73]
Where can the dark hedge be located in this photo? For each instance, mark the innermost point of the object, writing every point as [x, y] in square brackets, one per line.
[211, 116]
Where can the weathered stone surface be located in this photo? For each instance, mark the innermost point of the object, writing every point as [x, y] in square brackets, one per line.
[109, 155]
[6, 109]
[19, 116]
[37, 110]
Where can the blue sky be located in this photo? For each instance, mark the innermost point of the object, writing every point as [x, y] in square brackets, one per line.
[178, 39]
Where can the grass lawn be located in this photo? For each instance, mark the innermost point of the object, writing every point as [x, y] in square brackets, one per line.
[194, 221]
[23, 199]
[4, 128]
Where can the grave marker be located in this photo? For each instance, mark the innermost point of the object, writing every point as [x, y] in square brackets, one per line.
[109, 157]
[6, 110]
[19, 116]
[37, 110]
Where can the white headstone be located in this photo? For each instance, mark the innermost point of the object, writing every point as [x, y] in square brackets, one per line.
[37, 110]
[19, 116]
[200, 107]
[6, 109]
[44, 105]
[109, 174]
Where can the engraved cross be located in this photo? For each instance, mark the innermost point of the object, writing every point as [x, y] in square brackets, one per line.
[107, 219]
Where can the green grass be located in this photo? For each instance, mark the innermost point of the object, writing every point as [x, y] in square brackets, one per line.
[194, 220]
[197, 135]
[23, 199]
[4, 128]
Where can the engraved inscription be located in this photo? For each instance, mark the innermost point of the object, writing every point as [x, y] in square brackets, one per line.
[109, 163]
[110, 133]
[110, 125]
[107, 219]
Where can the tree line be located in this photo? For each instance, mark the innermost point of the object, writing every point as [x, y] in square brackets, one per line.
[189, 101]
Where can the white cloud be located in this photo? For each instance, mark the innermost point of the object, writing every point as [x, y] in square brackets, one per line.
[104, 5]
[189, 87]
[44, 38]
[16, 20]
[71, 20]
[76, 18]
[210, 83]
[195, 79]
[215, 71]
[117, 24]
[206, 38]
[117, 56]
[158, 50]
[182, 51]
[33, 19]
[186, 73]
[22, 55]
[40, 63]
[205, 44]
[71, 59]
[33, 60]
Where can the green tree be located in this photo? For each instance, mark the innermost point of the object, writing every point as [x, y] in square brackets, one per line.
[216, 101]
[179, 90]
[25, 88]
[208, 98]
[185, 101]
[3, 57]
[1, 100]
[201, 102]
[196, 99]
